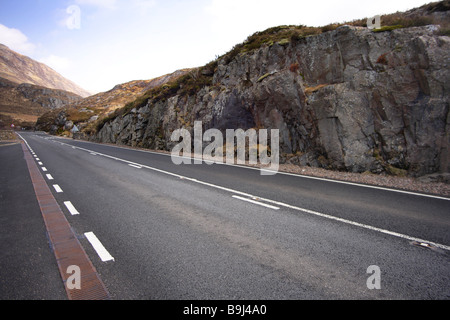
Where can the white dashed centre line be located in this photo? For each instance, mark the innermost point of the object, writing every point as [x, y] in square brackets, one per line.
[71, 208]
[98, 247]
[57, 188]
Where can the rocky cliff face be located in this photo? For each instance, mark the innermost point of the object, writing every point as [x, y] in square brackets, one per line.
[348, 99]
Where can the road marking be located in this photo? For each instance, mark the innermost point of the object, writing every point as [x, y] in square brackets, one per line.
[40, 163]
[9, 144]
[64, 243]
[257, 202]
[49, 177]
[71, 208]
[281, 204]
[98, 247]
[135, 166]
[44, 169]
[280, 172]
[57, 188]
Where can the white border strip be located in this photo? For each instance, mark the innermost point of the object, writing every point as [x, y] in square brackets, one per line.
[257, 202]
[98, 247]
[279, 172]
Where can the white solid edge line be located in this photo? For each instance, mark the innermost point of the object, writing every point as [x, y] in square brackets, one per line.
[57, 188]
[98, 247]
[256, 202]
[281, 204]
[71, 208]
[280, 172]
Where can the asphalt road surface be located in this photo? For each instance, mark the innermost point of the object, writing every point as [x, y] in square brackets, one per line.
[223, 232]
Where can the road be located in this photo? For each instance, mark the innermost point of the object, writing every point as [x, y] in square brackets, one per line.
[223, 232]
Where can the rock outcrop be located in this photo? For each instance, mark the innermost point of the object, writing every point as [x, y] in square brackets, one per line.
[347, 99]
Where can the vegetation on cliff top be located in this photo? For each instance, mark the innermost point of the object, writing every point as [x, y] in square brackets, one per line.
[199, 78]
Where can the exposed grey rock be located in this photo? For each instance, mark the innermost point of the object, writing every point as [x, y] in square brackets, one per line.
[360, 101]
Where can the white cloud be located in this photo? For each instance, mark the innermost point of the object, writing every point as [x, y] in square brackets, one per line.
[106, 4]
[16, 40]
[57, 63]
[143, 5]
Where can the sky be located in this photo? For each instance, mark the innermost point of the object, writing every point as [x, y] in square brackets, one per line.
[101, 43]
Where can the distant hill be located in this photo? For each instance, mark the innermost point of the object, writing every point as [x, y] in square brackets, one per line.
[22, 69]
[86, 112]
[22, 104]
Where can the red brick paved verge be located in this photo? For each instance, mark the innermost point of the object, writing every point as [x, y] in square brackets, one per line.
[66, 246]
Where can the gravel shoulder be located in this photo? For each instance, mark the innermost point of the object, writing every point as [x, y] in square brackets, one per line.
[421, 185]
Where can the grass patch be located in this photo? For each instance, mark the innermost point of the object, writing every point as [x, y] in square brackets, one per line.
[310, 90]
[265, 76]
[388, 28]
[444, 32]
[396, 171]
[282, 35]
[77, 116]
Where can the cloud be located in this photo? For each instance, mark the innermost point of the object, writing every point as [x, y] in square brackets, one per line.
[105, 4]
[16, 40]
[143, 5]
[57, 63]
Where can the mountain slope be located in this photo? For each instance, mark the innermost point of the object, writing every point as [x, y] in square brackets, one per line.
[21, 69]
[22, 104]
[85, 112]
